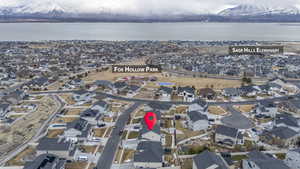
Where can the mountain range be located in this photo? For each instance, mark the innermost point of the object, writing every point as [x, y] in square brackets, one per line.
[51, 11]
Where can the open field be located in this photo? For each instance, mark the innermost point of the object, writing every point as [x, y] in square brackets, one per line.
[26, 127]
[55, 133]
[74, 111]
[245, 108]
[18, 160]
[216, 110]
[76, 165]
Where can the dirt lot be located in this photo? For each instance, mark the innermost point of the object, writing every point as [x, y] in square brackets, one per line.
[55, 133]
[245, 108]
[76, 165]
[25, 128]
[216, 110]
[19, 159]
[74, 111]
[67, 97]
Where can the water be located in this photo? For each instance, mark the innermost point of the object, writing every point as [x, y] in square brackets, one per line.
[150, 31]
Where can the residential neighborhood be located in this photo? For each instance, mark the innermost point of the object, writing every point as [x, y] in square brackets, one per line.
[62, 106]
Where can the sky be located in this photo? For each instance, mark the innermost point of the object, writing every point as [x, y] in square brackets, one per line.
[144, 6]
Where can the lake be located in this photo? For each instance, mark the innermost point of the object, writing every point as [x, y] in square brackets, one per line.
[150, 31]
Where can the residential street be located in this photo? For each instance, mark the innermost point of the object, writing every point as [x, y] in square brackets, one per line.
[111, 146]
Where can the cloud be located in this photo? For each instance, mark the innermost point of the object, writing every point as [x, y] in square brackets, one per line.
[145, 7]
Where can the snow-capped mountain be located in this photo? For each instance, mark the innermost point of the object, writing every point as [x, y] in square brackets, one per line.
[42, 7]
[254, 10]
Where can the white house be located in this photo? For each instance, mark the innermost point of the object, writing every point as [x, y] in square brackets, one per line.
[197, 121]
[267, 108]
[188, 93]
[82, 96]
[164, 93]
[100, 106]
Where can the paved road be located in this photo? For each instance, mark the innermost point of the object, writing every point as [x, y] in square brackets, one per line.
[236, 119]
[108, 154]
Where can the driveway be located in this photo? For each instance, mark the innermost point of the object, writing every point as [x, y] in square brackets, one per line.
[236, 119]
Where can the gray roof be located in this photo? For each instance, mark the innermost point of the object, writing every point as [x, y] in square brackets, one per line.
[166, 89]
[133, 88]
[144, 129]
[4, 106]
[206, 159]
[283, 132]
[228, 131]
[101, 103]
[104, 83]
[287, 119]
[53, 144]
[187, 89]
[231, 91]
[265, 161]
[120, 85]
[79, 124]
[89, 113]
[46, 161]
[149, 151]
[195, 116]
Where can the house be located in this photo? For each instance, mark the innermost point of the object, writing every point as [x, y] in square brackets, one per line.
[46, 161]
[292, 158]
[263, 89]
[188, 93]
[92, 116]
[103, 84]
[77, 130]
[4, 109]
[259, 160]
[149, 154]
[119, 86]
[293, 105]
[197, 121]
[150, 135]
[287, 120]
[230, 92]
[266, 108]
[280, 136]
[209, 160]
[228, 136]
[76, 82]
[15, 97]
[207, 93]
[164, 93]
[132, 90]
[248, 91]
[100, 106]
[57, 146]
[37, 84]
[82, 96]
[198, 105]
[284, 84]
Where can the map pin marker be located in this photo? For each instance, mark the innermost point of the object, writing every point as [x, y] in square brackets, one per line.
[150, 120]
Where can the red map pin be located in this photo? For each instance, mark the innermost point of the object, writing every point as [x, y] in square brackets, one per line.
[150, 120]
